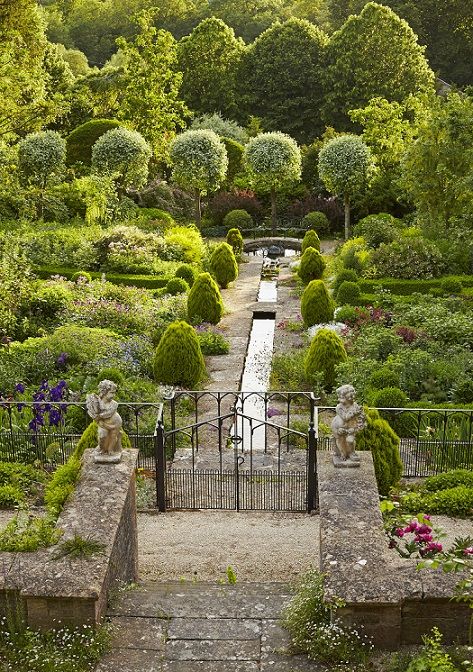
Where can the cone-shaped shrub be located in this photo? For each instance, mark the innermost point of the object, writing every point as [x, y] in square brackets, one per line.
[186, 272]
[325, 352]
[312, 265]
[349, 294]
[378, 437]
[235, 240]
[316, 305]
[224, 265]
[178, 359]
[311, 239]
[204, 301]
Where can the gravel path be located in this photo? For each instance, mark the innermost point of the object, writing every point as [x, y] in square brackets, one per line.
[201, 545]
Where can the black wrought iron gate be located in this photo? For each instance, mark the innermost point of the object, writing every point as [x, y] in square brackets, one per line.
[240, 451]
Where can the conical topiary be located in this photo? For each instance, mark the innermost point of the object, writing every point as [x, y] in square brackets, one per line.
[224, 265]
[235, 240]
[316, 305]
[312, 265]
[349, 294]
[325, 352]
[204, 301]
[311, 239]
[178, 359]
[378, 437]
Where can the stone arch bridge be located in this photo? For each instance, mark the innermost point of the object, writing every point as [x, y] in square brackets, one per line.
[266, 243]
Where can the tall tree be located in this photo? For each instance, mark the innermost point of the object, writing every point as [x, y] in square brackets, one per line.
[281, 78]
[249, 18]
[209, 59]
[23, 104]
[373, 54]
[151, 102]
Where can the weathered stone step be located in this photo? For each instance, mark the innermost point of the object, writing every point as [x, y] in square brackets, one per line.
[201, 627]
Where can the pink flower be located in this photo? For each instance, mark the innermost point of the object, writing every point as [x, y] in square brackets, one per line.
[399, 532]
[468, 551]
[424, 529]
[424, 538]
[412, 527]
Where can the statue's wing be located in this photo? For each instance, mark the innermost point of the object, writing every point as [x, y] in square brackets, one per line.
[92, 405]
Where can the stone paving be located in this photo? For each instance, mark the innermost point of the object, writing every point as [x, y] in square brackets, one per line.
[192, 627]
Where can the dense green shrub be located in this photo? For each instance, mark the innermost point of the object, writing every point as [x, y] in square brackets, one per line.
[178, 359]
[23, 476]
[82, 276]
[316, 305]
[212, 343]
[176, 286]
[204, 302]
[455, 502]
[317, 221]
[25, 536]
[312, 265]
[378, 229]
[235, 159]
[354, 254]
[224, 265]
[48, 301]
[348, 314]
[113, 374]
[451, 286]
[186, 272]
[384, 377]
[450, 479]
[345, 275]
[349, 293]
[310, 239]
[408, 258]
[404, 424]
[79, 143]
[406, 287]
[238, 219]
[325, 352]
[380, 439]
[389, 397]
[11, 496]
[235, 240]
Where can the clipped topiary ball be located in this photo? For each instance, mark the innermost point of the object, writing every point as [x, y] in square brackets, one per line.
[176, 286]
[349, 293]
[204, 302]
[178, 359]
[316, 305]
[224, 265]
[311, 239]
[379, 438]
[81, 276]
[186, 272]
[238, 219]
[235, 240]
[325, 352]
[346, 274]
[312, 265]
[317, 221]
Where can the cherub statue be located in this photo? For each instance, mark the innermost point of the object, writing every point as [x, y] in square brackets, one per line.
[349, 420]
[103, 409]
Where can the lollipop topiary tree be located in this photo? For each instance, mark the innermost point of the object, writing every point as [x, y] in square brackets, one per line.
[224, 265]
[178, 359]
[312, 265]
[325, 352]
[204, 301]
[316, 305]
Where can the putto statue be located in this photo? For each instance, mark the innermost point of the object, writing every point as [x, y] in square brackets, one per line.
[349, 420]
[103, 409]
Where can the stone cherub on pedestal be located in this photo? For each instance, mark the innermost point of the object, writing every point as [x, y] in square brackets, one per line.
[349, 420]
[103, 409]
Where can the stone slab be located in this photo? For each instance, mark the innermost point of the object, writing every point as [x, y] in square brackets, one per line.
[180, 649]
[131, 632]
[127, 660]
[213, 628]
[210, 666]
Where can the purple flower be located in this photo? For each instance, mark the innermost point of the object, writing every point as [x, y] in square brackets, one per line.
[19, 387]
[54, 417]
[62, 360]
[272, 412]
[399, 532]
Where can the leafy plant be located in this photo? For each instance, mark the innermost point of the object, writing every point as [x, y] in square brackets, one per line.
[176, 286]
[186, 272]
[79, 547]
[231, 575]
[235, 240]
[212, 343]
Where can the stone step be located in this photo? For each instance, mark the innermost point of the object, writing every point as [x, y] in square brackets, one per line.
[197, 627]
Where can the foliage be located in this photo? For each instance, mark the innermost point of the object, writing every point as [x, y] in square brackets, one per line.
[62, 485]
[11, 496]
[455, 502]
[79, 547]
[280, 78]
[41, 156]
[178, 359]
[315, 631]
[345, 275]
[316, 305]
[310, 239]
[224, 202]
[150, 100]
[235, 239]
[378, 229]
[184, 243]
[451, 286]
[122, 154]
[23, 476]
[374, 54]
[382, 378]
[316, 221]
[224, 265]
[79, 143]
[349, 293]
[186, 272]
[433, 657]
[288, 373]
[235, 161]
[325, 352]
[204, 302]
[408, 258]
[25, 535]
[211, 342]
[238, 219]
[209, 59]
[411, 537]
[312, 265]
[225, 128]
[379, 438]
[176, 286]
[62, 649]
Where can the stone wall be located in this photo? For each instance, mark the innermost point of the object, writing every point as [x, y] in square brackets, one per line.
[384, 593]
[73, 591]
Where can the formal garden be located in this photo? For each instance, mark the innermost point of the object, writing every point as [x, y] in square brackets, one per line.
[140, 147]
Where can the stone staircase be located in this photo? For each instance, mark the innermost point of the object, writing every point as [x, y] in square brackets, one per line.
[208, 627]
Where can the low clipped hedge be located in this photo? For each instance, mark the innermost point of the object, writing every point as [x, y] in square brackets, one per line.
[405, 287]
[146, 281]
